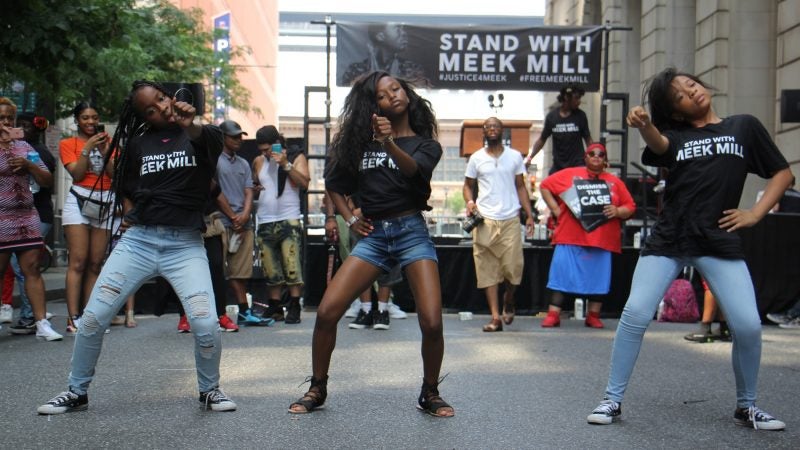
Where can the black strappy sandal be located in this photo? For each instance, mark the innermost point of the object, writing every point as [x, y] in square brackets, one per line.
[314, 398]
[430, 402]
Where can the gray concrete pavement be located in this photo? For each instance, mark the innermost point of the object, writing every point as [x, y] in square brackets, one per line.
[525, 387]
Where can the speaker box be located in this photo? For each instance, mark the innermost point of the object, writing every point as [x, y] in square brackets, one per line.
[790, 105]
[191, 93]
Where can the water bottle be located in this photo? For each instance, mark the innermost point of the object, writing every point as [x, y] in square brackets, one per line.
[33, 156]
[579, 315]
[637, 239]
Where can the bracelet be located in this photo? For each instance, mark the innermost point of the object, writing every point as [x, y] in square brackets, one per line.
[84, 152]
[383, 141]
[288, 167]
[353, 219]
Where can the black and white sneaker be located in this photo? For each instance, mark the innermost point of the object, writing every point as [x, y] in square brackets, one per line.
[363, 320]
[216, 400]
[381, 321]
[756, 418]
[65, 402]
[24, 326]
[605, 413]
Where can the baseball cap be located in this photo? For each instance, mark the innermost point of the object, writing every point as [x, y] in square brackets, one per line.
[267, 135]
[572, 88]
[231, 128]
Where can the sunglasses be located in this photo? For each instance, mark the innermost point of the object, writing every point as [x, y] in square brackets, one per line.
[598, 154]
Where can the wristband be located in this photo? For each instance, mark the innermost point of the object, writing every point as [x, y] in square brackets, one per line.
[383, 141]
[353, 219]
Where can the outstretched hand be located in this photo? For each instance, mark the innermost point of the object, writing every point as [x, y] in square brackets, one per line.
[638, 117]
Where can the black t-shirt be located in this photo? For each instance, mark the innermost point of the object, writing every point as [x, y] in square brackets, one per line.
[381, 188]
[707, 170]
[790, 202]
[568, 134]
[169, 176]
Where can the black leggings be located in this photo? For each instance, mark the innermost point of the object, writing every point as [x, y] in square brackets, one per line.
[557, 298]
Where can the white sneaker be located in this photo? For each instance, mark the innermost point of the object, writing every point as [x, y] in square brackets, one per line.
[778, 318]
[45, 331]
[794, 323]
[355, 307]
[395, 312]
[6, 313]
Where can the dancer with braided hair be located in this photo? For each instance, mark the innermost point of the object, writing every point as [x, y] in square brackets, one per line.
[163, 166]
[386, 152]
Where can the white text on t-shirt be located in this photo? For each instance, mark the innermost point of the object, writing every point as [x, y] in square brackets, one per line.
[719, 145]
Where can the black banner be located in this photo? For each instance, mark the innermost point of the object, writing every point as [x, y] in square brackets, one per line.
[471, 57]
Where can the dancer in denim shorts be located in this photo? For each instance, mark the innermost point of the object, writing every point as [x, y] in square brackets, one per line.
[385, 151]
[162, 179]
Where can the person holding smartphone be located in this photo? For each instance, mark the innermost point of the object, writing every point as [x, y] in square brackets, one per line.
[87, 236]
[19, 221]
[279, 176]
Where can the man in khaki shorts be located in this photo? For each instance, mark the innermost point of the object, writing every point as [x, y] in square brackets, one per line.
[498, 172]
[236, 181]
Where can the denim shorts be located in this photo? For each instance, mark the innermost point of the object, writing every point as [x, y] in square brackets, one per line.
[401, 240]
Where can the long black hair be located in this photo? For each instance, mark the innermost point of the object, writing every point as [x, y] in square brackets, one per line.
[355, 122]
[659, 95]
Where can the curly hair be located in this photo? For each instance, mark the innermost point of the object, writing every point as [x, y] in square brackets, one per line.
[355, 121]
[659, 95]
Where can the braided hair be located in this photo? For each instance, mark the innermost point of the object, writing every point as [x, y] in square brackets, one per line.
[355, 122]
[131, 124]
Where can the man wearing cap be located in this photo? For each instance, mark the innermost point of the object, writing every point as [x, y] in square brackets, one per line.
[281, 174]
[568, 125]
[235, 203]
[498, 173]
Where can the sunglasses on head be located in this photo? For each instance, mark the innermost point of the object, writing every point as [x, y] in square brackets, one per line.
[598, 153]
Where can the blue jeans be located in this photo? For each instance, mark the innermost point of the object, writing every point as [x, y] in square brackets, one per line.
[729, 281]
[178, 255]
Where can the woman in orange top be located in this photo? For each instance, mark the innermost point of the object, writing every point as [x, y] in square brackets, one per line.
[87, 234]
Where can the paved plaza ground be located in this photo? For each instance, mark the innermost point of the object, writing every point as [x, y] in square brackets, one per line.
[526, 387]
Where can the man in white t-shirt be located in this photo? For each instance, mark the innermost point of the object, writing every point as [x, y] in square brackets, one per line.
[498, 173]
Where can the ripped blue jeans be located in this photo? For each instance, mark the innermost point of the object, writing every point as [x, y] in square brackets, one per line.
[144, 252]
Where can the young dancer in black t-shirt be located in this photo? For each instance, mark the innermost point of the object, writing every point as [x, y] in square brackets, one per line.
[162, 179]
[385, 150]
[708, 158]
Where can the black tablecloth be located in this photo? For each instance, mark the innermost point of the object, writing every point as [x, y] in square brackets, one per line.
[772, 250]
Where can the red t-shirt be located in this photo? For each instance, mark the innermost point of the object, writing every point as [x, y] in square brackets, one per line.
[569, 229]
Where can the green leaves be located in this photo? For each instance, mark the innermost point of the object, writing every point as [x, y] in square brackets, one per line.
[94, 49]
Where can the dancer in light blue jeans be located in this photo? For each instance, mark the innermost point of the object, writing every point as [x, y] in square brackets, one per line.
[708, 158]
[162, 182]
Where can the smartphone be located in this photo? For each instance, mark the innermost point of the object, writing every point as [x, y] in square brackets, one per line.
[16, 133]
[277, 147]
[100, 128]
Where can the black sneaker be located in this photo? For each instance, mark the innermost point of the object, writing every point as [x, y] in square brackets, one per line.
[723, 334]
[65, 402]
[363, 320]
[381, 321]
[24, 326]
[216, 400]
[293, 311]
[703, 335]
[605, 413]
[756, 418]
[275, 311]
